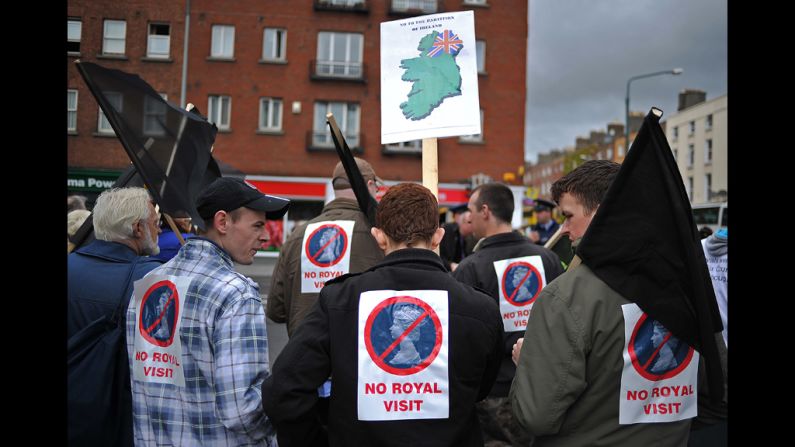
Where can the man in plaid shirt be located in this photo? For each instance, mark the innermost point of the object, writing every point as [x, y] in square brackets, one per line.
[203, 387]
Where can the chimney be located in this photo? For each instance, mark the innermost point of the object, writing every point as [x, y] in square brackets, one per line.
[690, 97]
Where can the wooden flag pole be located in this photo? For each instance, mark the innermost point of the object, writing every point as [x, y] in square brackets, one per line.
[554, 239]
[430, 166]
[430, 169]
[174, 228]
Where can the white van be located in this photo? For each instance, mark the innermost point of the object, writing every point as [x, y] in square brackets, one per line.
[713, 215]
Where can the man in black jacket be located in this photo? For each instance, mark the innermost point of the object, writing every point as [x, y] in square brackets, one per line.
[513, 270]
[409, 349]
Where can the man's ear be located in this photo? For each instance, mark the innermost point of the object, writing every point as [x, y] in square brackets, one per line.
[436, 239]
[221, 221]
[138, 230]
[380, 237]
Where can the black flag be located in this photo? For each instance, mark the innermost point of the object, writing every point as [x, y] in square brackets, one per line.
[169, 146]
[367, 202]
[644, 244]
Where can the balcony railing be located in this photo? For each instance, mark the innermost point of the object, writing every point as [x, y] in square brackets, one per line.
[322, 141]
[341, 5]
[414, 7]
[341, 71]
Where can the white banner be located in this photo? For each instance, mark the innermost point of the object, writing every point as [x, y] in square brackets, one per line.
[659, 380]
[403, 360]
[325, 253]
[429, 77]
[520, 281]
[158, 301]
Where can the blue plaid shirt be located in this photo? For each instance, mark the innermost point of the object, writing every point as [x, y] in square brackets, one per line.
[224, 359]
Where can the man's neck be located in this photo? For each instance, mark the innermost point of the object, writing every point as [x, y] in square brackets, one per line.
[498, 228]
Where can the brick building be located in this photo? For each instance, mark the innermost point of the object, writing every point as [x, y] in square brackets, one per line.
[267, 72]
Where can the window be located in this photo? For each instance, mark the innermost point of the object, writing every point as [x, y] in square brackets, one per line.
[425, 6]
[692, 128]
[73, 30]
[405, 147]
[620, 150]
[477, 138]
[708, 126]
[113, 37]
[115, 100]
[270, 114]
[154, 116]
[676, 155]
[707, 185]
[223, 42]
[218, 111]
[691, 155]
[480, 46]
[676, 133]
[708, 151]
[610, 153]
[159, 40]
[347, 116]
[274, 42]
[342, 2]
[339, 54]
[475, 2]
[71, 110]
[690, 188]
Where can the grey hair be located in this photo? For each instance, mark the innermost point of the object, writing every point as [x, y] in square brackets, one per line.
[117, 210]
[74, 220]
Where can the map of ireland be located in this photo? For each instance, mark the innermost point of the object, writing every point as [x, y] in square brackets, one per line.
[434, 75]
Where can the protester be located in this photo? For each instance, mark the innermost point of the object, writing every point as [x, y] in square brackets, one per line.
[458, 241]
[75, 202]
[340, 243]
[168, 241]
[74, 220]
[409, 348]
[100, 279]
[545, 226]
[502, 254]
[196, 378]
[585, 369]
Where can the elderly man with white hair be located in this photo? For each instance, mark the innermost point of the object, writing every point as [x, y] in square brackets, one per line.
[100, 283]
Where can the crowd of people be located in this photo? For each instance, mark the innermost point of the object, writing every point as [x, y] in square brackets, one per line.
[407, 332]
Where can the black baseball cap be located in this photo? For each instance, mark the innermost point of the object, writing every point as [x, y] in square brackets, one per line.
[229, 194]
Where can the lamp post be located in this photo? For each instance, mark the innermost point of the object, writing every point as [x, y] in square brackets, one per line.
[674, 71]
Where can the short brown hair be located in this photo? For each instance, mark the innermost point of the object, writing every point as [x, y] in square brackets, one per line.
[588, 183]
[408, 213]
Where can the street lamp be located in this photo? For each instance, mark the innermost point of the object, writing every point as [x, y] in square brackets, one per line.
[675, 71]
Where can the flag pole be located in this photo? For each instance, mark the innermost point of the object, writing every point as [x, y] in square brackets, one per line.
[430, 166]
[174, 228]
[430, 169]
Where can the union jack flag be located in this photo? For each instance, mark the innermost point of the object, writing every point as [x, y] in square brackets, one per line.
[446, 42]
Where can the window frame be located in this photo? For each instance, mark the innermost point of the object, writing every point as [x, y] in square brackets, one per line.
[79, 37]
[219, 33]
[106, 38]
[475, 138]
[353, 139]
[270, 100]
[480, 60]
[282, 47]
[71, 111]
[218, 110]
[149, 37]
[348, 64]
[102, 130]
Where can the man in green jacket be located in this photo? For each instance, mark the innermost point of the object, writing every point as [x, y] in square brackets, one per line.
[570, 387]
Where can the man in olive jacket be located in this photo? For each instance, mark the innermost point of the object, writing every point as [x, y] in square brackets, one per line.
[344, 248]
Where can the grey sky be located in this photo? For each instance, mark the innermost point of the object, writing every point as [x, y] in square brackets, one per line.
[582, 52]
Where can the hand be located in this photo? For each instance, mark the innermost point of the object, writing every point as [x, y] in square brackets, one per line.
[517, 349]
[453, 266]
[534, 236]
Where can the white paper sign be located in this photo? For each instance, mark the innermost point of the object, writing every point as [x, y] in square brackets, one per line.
[403, 362]
[325, 253]
[659, 379]
[429, 79]
[520, 281]
[158, 317]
